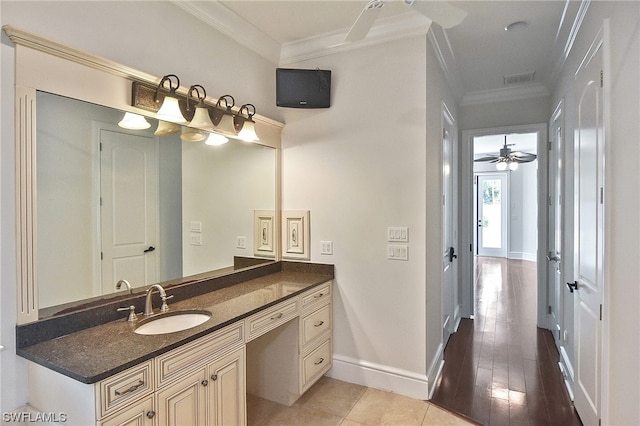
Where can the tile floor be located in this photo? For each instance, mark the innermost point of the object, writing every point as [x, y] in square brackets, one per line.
[334, 402]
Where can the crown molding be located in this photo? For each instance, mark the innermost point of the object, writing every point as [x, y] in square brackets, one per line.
[397, 27]
[233, 26]
[446, 58]
[504, 94]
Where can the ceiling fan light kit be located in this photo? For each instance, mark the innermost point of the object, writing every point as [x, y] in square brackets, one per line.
[508, 159]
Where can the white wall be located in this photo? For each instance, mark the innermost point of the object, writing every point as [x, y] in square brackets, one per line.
[155, 37]
[371, 161]
[622, 228]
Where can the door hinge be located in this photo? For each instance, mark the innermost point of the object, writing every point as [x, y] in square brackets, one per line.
[550, 146]
[601, 195]
[550, 311]
[601, 78]
[101, 256]
[471, 247]
[550, 200]
[100, 146]
[600, 312]
[444, 133]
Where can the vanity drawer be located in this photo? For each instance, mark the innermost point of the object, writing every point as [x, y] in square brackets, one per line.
[314, 324]
[181, 360]
[315, 364]
[319, 294]
[117, 391]
[267, 320]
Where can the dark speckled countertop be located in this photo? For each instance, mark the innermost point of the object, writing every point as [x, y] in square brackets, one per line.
[96, 353]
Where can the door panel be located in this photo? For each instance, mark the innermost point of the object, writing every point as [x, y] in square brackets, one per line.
[129, 193]
[449, 230]
[554, 249]
[492, 214]
[589, 171]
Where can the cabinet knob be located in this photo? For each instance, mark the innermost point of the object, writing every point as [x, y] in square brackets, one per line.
[204, 382]
[151, 414]
[214, 377]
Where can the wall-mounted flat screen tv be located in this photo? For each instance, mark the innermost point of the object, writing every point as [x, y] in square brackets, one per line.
[303, 88]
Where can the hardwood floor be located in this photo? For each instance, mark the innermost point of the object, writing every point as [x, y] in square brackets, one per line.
[500, 369]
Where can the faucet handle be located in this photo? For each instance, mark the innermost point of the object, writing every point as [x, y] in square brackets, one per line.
[132, 313]
[165, 307]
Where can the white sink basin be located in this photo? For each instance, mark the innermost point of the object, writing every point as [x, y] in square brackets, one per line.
[171, 322]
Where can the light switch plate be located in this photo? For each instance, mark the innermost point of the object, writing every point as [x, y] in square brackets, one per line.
[196, 226]
[398, 234]
[196, 239]
[326, 247]
[241, 242]
[398, 252]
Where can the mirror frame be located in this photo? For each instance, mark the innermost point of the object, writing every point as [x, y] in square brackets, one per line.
[89, 78]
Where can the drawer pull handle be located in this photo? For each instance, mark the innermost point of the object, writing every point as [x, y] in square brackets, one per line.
[320, 361]
[318, 324]
[318, 296]
[131, 389]
[151, 414]
[204, 383]
[277, 316]
[214, 377]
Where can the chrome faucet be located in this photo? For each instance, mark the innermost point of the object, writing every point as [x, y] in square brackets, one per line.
[148, 306]
[126, 283]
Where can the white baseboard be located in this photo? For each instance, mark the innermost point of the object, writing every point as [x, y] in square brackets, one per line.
[532, 257]
[383, 377]
[380, 376]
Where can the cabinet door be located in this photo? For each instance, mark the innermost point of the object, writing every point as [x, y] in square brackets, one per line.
[227, 390]
[184, 402]
[141, 413]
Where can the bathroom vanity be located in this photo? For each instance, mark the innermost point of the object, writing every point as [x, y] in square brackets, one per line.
[269, 336]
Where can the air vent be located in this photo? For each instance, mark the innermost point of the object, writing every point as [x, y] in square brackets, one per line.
[526, 77]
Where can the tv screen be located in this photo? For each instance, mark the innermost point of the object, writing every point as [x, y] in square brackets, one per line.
[303, 88]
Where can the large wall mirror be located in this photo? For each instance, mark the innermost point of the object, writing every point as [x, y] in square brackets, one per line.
[97, 203]
[119, 204]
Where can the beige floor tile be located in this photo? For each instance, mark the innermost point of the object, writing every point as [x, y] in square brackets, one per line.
[298, 416]
[438, 416]
[331, 396]
[377, 407]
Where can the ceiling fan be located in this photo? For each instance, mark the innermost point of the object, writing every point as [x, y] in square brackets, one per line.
[508, 158]
[443, 13]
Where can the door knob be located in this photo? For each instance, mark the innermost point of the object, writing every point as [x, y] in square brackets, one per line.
[150, 249]
[572, 286]
[452, 254]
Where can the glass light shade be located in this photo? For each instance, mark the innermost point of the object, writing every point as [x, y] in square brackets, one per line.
[134, 122]
[226, 125]
[165, 128]
[192, 135]
[170, 111]
[201, 119]
[248, 132]
[513, 166]
[216, 139]
[501, 165]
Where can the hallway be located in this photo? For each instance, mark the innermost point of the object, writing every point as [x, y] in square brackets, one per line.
[500, 369]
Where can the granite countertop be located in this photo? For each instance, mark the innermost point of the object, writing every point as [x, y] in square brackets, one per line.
[96, 353]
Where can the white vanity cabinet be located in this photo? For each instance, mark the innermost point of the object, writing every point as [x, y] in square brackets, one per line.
[277, 353]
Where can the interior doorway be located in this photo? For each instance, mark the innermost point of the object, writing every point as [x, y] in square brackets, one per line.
[516, 208]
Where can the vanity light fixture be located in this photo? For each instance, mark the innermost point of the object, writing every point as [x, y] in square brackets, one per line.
[216, 139]
[201, 118]
[165, 128]
[170, 109]
[190, 134]
[134, 122]
[246, 127]
[223, 116]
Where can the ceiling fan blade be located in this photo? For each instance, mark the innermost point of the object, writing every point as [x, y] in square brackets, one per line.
[523, 156]
[442, 13]
[491, 158]
[363, 24]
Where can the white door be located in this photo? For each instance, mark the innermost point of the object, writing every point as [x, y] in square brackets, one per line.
[129, 208]
[589, 220]
[492, 202]
[449, 228]
[554, 216]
